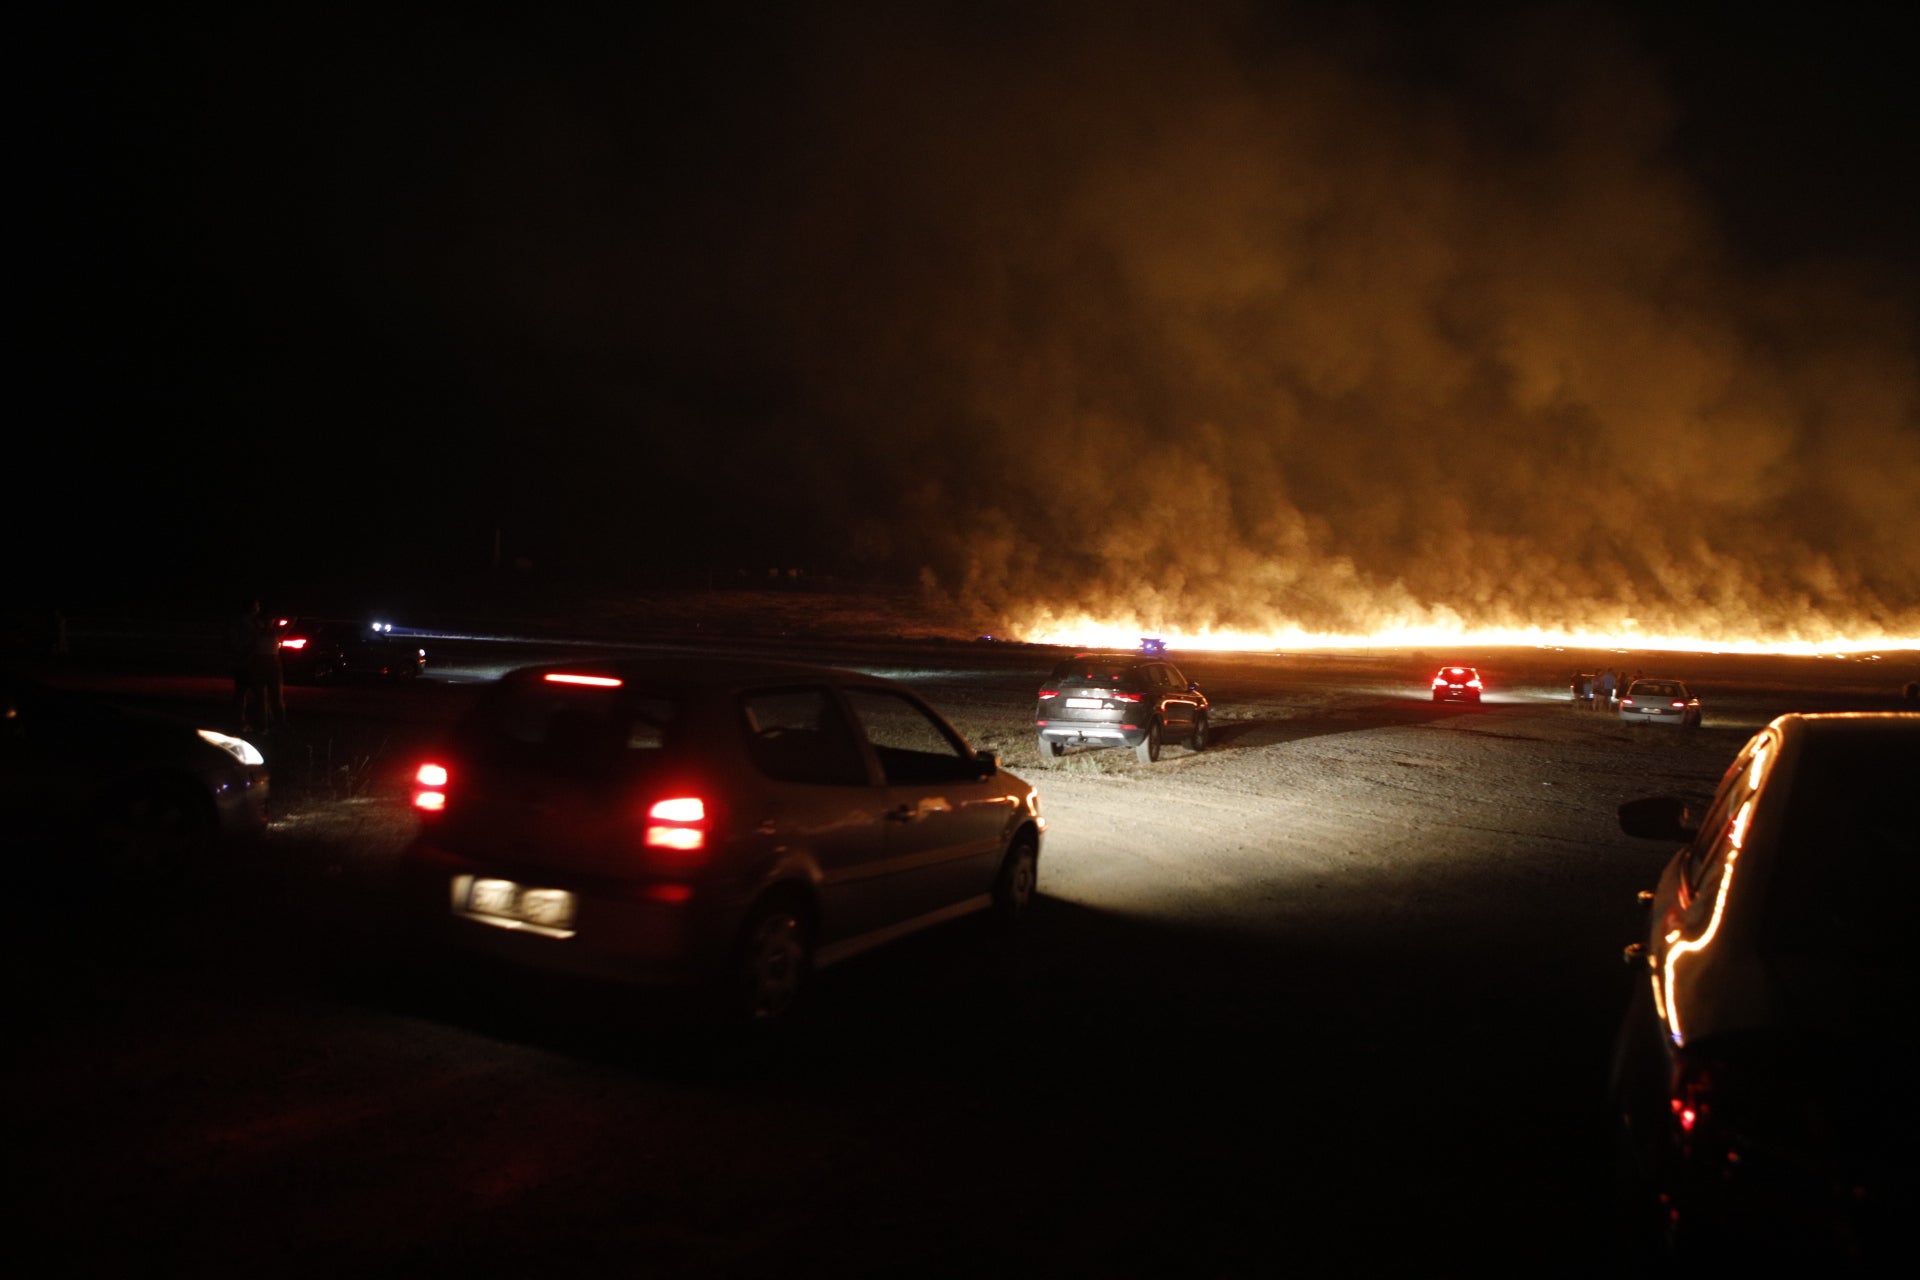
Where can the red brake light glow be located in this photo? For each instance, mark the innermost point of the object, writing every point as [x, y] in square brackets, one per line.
[1049, 693]
[294, 642]
[1126, 697]
[429, 787]
[679, 824]
[595, 682]
[1678, 703]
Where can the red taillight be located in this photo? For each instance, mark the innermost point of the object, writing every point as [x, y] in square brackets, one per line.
[678, 824]
[1627, 702]
[1678, 703]
[593, 682]
[294, 642]
[1126, 697]
[1049, 693]
[1475, 683]
[429, 788]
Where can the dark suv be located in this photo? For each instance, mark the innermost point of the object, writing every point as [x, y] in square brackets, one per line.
[1118, 700]
[721, 827]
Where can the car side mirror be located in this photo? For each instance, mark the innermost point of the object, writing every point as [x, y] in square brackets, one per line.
[1659, 818]
[987, 762]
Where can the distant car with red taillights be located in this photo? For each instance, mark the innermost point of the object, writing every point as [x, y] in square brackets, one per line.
[721, 826]
[316, 650]
[1660, 701]
[1133, 700]
[1457, 684]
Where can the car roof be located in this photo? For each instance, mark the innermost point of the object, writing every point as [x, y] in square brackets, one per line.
[1821, 725]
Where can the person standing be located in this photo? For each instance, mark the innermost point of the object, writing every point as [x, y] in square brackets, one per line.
[253, 650]
[1603, 699]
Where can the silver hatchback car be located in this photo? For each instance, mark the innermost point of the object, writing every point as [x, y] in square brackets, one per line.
[720, 826]
[1663, 701]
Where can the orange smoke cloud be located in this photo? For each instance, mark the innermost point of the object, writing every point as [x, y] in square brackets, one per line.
[1180, 339]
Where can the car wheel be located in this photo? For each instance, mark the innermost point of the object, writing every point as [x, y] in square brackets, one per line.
[1050, 751]
[1018, 881]
[772, 965]
[152, 832]
[1200, 732]
[1149, 749]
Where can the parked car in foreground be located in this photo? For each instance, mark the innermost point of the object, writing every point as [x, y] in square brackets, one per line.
[314, 650]
[1762, 1076]
[1457, 684]
[716, 826]
[91, 791]
[1660, 701]
[1132, 700]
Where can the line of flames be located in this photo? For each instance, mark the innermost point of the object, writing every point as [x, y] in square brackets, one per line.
[1087, 633]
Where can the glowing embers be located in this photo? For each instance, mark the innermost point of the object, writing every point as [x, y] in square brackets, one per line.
[678, 825]
[429, 788]
[592, 682]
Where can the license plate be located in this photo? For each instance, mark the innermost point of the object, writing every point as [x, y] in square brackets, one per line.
[506, 900]
[1093, 703]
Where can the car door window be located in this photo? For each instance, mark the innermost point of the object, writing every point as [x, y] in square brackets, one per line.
[912, 745]
[801, 735]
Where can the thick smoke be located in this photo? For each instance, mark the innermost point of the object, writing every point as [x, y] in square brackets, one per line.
[1237, 326]
[1181, 318]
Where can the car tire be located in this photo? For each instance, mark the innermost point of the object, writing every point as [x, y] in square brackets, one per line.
[1149, 749]
[1201, 729]
[1050, 751]
[1014, 888]
[772, 966]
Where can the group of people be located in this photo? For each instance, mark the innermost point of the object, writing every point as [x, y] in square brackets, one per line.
[1598, 689]
[253, 650]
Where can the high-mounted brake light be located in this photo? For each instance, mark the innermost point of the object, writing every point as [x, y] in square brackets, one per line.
[595, 682]
[678, 824]
[429, 787]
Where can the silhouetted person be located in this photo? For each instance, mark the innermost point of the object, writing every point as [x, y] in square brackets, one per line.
[259, 701]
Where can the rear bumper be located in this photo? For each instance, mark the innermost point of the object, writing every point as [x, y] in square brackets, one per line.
[1091, 735]
[622, 931]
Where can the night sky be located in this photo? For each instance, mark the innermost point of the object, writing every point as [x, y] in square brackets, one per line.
[1220, 314]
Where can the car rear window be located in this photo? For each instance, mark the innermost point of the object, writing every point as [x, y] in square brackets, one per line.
[570, 725]
[1848, 873]
[1086, 671]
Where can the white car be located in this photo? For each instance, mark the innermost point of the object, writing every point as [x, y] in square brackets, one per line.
[1661, 701]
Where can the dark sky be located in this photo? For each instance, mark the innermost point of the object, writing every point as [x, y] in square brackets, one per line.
[1230, 314]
